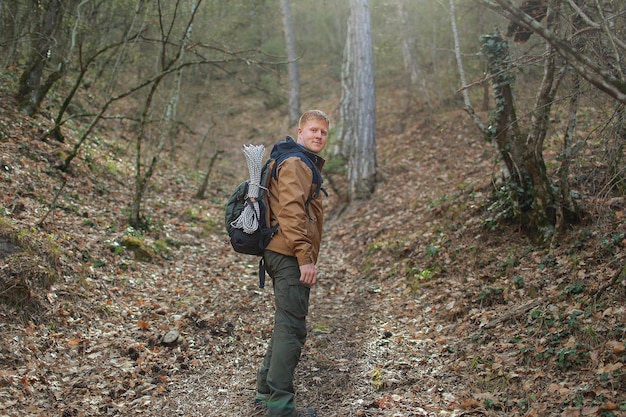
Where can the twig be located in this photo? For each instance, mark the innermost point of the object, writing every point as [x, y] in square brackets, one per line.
[619, 276]
[53, 203]
[517, 311]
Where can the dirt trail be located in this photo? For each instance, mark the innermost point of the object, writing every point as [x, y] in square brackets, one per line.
[372, 350]
[356, 347]
[334, 372]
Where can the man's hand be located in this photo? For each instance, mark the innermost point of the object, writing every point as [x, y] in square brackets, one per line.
[308, 274]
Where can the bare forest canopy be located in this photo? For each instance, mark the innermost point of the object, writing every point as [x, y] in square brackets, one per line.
[173, 69]
[108, 49]
[198, 78]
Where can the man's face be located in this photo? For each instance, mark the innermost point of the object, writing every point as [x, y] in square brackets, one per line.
[313, 135]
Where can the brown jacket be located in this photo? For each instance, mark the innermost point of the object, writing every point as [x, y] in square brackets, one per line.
[300, 230]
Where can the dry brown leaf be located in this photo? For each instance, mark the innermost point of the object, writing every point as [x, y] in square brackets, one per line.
[571, 412]
[590, 411]
[616, 346]
[609, 368]
[610, 406]
[469, 403]
[559, 389]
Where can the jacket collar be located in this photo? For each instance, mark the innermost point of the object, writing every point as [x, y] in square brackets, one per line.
[290, 145]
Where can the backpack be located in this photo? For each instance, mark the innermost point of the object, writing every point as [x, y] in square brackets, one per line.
[255, 243]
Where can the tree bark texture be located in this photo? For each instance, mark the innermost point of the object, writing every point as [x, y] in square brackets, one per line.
[292, 64]
[616, 142]
[459, 61]
[530, 189]
[358, 104]
[408, 45]
[31, 91]
[16, 21]
[345, 127]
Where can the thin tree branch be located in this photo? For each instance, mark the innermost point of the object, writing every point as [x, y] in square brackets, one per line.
[584, 65]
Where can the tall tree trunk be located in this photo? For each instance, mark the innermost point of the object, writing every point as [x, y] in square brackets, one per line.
[139, 19]
[408, 45]
[55, 132]
[616, 142]
[567, 211]
[142, 178]
[31, 90]
[530, 190]
[543, 215]
[201, 192]
[411, 66]
[16, 21]
[358, 103]
[457, 52]
[503, 125]
[292, 64]
[347, 103]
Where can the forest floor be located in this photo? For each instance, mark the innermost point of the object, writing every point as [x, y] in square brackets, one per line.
[426, 304]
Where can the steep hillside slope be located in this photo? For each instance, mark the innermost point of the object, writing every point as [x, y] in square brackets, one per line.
[426, 306]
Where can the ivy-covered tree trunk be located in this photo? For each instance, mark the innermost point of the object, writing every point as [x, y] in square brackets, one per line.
[528, 188]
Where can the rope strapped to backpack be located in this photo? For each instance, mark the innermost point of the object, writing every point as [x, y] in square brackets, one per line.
[247, 213]
[248, 221]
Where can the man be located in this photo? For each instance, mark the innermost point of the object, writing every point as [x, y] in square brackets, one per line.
[290, 258]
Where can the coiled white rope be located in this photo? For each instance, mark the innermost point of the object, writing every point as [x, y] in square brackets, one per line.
[248, 220]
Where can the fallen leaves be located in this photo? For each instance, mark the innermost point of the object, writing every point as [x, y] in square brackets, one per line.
[401, 322]
[617, 347]
[143, 325]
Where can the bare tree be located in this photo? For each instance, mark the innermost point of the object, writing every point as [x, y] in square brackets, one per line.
[292, 63]
[539, 204]
[17, 18]
[357, 118]
[597, 73]
[459, 61]
[408, 45]
[32, 90]
[144, 174]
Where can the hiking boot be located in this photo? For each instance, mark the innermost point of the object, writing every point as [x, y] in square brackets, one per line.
[262, 397]
[306, 412]
[260, 405]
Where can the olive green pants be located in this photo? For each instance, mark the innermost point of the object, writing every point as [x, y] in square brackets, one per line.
[275, 375]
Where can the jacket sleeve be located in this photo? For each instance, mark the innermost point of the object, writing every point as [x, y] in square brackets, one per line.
[293, 189]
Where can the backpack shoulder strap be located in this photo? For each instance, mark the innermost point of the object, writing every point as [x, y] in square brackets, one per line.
[317, 175]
